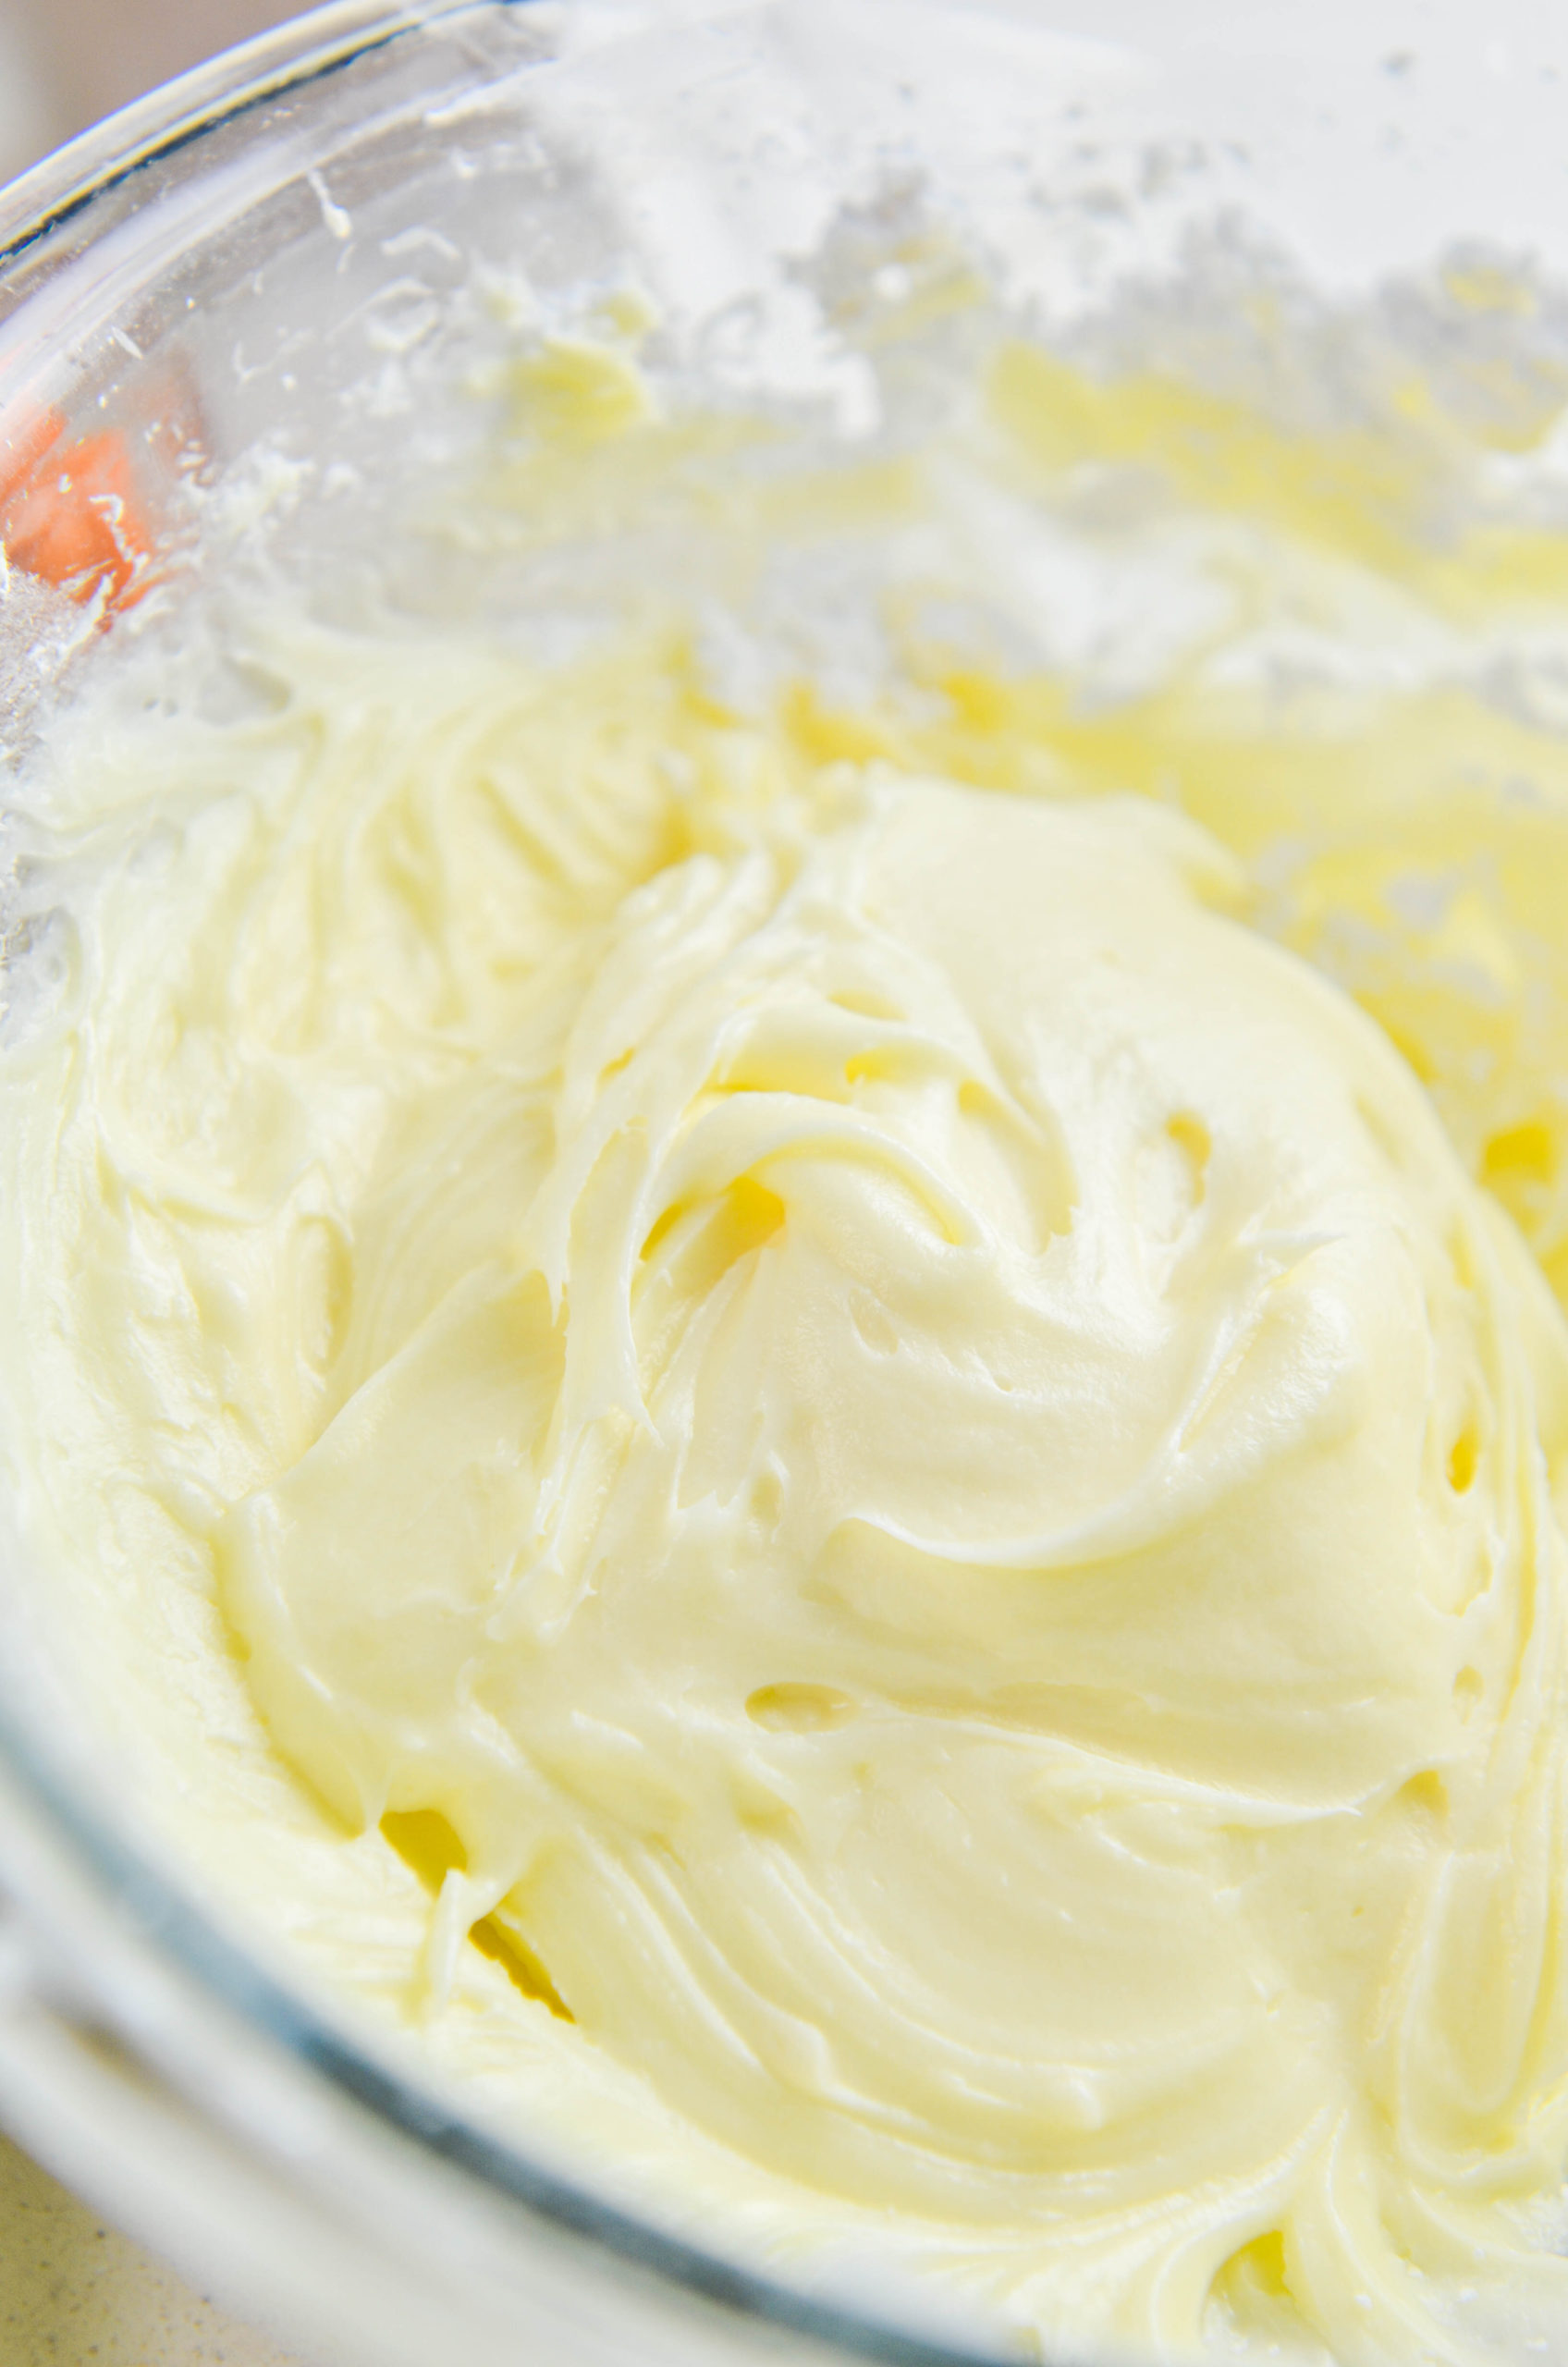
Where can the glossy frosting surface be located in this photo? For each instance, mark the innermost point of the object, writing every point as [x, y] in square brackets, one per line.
[791, 1376]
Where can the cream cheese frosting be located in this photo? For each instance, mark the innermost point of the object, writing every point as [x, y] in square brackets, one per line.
[960, 1537]
[783, 1372]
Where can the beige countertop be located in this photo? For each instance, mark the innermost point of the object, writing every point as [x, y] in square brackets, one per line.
[74, 2292]
[65, 63]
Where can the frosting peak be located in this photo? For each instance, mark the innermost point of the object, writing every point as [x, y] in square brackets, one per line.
[965, 1551]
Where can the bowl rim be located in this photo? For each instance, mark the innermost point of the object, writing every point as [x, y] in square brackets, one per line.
[287, 57]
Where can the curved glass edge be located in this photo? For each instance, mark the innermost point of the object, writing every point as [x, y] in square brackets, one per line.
[184, 1934]
[324, 42]
[302, 50]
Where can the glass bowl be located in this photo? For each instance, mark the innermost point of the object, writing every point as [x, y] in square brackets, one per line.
[248, 317]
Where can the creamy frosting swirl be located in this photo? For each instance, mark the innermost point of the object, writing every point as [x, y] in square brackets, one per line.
[964, 1546]
[896, 1453]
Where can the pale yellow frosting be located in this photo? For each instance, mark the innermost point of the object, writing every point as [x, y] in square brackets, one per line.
[834, 1411]
[939, 1475]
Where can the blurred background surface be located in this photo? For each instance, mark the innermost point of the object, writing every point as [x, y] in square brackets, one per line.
[64, 64]
[76, 2293]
